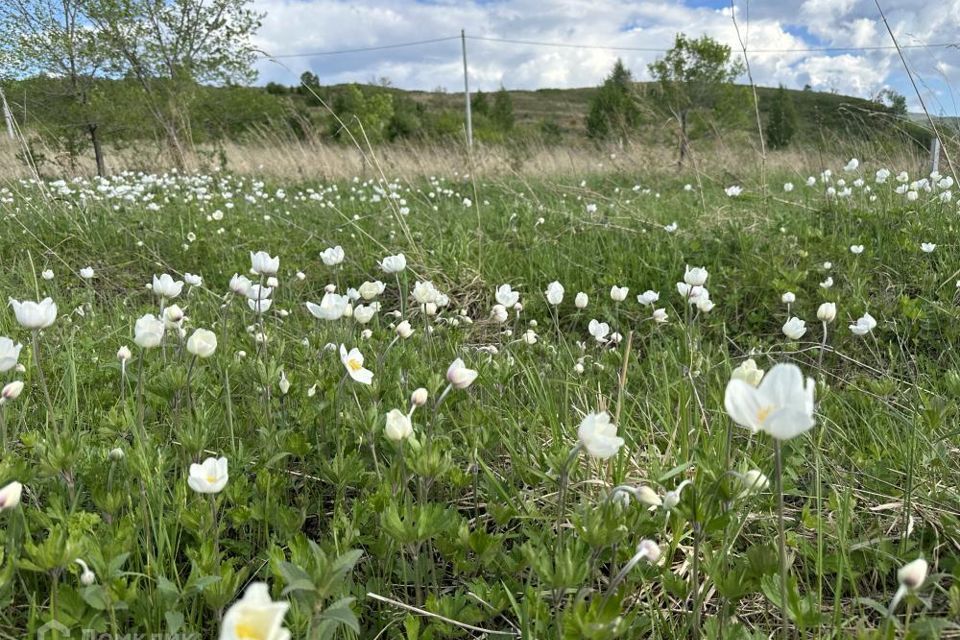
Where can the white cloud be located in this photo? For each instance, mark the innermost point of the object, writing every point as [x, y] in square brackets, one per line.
[303, 26]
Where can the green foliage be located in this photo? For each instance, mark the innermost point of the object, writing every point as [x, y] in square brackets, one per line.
[550, 131]
[613, 110]
[694, 80]
[465, 519]
[364, 114]
[692, 73]
[170, 48]
[407, 120]
[479, 105]
[502, 112]
[230, 112]
[175, 114]
[310, 89]
[892, 100]
[782, 123]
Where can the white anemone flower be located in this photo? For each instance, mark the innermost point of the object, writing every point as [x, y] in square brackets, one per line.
[619, 294]
[459, 376]
[599, 330]
[332, 256]
[394, 264]
[165, 286]
[749, 372]
[10, 495]
[648, 297]
[210, 476]
[863, 325]
[554, 293]
[332, 307]
[353, 362]
[255, 616]
[263, 265]
[35, 315]
[781, 406]
[696, 276]
[599, 436]
[507, 296]
[794, 328]
[9, 354]
[148, 331]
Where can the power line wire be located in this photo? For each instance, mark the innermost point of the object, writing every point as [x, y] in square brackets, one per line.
[571, 45]
[337, 52]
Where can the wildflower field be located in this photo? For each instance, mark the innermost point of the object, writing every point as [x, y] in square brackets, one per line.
[608, 407]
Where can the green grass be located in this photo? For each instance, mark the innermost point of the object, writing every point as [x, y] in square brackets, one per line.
[465, 521]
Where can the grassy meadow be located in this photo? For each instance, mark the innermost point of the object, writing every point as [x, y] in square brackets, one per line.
[495, 507]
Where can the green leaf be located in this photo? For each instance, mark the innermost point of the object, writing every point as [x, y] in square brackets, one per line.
[296, 578]
[411, 624]
[174, 621]
[96, 597]
[336, 615]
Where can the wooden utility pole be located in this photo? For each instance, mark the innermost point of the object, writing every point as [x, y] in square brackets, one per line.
[7, 116]
[466, 90]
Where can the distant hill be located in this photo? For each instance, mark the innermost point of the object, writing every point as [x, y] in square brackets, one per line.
[569, 107]
[821, 116]
[947, 121]
[43, 108]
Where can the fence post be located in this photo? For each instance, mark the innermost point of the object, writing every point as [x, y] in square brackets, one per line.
[934, 154]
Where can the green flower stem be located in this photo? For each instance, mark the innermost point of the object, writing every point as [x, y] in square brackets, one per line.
[781, 541]
[42, 377]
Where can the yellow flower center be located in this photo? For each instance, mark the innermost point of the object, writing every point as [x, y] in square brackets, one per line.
[354, 365]
[245, 631]
[764, 412]
[211, 479]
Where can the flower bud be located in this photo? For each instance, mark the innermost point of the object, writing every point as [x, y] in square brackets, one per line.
[87, 577]
[11, 391]
[419, 397]
[648, 496]
[404, 330]
[827, 312]
[398, 426]
[10, 495]
[913, 574]
[650, 550]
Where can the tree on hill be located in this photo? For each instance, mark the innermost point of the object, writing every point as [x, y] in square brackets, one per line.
[695, 77]
[51, 38]
[366, 113]
[310, 89]
[308, 82]
[893, 100]
[170, 47]
[783, 120]
[502, 111]
[613, 111]
[479, 104]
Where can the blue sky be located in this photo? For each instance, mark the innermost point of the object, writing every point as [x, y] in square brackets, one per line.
[293, 28]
